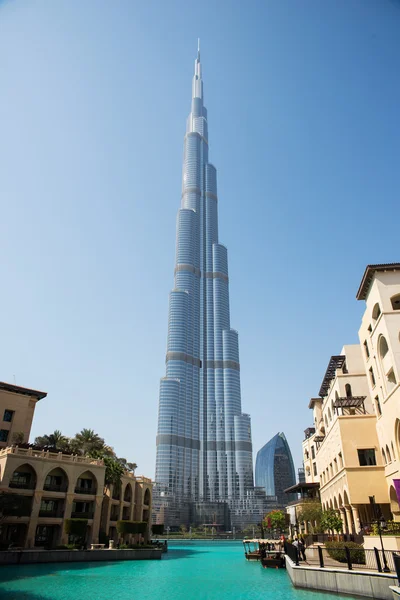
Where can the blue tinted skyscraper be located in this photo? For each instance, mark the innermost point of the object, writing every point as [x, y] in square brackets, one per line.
[204, 449]
[275, 469]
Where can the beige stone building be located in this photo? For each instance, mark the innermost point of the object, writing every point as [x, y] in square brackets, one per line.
[380, 340]
[352, 450]
[343, 453]
[59, 486]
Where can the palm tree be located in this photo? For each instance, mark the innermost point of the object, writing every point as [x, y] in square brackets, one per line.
[86, 442]
[55, 440]
[58, 440]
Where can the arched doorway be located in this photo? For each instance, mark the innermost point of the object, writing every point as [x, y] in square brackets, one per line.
[394, 504]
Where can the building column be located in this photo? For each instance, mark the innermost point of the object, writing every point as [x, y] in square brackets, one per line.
[33, 521]
[343, 517]
[349, 519]
[69, 499]
[356, 519]
[93, 537]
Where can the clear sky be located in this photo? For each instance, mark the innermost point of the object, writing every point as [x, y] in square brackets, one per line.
[303, 99]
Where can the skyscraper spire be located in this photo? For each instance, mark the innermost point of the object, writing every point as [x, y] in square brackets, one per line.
[204, 449]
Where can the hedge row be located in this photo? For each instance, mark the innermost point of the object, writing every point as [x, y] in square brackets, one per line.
[124, 527]
[337, 552]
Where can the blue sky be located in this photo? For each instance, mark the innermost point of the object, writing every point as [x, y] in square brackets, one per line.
[303, 100]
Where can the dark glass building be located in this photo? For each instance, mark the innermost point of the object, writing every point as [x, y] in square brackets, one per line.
[275, 469]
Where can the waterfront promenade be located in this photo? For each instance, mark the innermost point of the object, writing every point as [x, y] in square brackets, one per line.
[194, 570]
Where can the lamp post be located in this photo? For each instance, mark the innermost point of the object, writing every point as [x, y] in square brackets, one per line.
[382, 525]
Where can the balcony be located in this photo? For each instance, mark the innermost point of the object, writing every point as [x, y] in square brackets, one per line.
[22, 485]
[55, 488]
[51, 514]
[84, 490]
[350, 406]
[82, 515]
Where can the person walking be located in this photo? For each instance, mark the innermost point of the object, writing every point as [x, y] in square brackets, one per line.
[302, 548]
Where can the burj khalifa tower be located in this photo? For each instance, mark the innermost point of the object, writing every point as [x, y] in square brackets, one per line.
[204, 448]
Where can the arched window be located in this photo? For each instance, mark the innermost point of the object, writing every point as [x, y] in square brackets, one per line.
[383, 347]
[388, 454]
[329, 414]
[393, 454]
[24, 478]
[376, 311]
[348, 390]
[384, 457]
[395, 300]
[326, 421]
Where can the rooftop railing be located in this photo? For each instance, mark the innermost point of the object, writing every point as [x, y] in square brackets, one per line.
[48, 455]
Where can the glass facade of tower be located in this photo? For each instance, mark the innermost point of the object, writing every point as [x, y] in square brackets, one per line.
[204, 448]
[275, 469]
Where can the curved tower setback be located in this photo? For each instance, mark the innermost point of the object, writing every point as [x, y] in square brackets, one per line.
[275, 469]
[204, 449]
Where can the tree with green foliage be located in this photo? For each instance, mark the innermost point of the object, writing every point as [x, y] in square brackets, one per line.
[55, 440]
[86, 441]
[18, 437]
[76, 529]
[311, 513]
[331, 521]
[274, 520]
[157, 528]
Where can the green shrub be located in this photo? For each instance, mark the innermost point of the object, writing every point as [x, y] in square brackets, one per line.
[104, 538]
[157, 529]
[124, 527]
[392, 528]
[77, 527]
[336, 550]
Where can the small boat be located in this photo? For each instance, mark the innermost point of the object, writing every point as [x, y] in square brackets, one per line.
[251, 549]
[269, 552]
[273, 559]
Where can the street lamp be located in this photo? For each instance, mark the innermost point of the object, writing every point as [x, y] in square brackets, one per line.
[382, 525]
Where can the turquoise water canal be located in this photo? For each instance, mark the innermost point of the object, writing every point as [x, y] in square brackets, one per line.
[190, 571]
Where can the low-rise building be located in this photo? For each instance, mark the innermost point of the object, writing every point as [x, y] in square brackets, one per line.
[57, 486]
[353, 448]
[380, 340]
[343, 453]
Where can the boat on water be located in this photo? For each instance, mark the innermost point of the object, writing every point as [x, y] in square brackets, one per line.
[269, 552]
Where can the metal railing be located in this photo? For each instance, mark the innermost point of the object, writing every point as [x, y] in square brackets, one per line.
[82, 515]
[396, 560]
[51, 514]
[53, 487]
[358, 559]
[345, 557]
[83, 490]
[22, 485]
